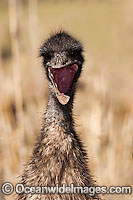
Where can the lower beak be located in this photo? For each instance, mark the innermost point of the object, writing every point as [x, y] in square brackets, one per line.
[63, 99]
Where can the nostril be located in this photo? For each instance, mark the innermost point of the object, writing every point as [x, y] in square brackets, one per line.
[64, 62]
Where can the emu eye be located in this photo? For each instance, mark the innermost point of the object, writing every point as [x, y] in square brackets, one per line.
[74, 53]
[48, 57]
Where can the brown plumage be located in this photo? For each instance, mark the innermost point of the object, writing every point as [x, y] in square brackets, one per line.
[58, 156]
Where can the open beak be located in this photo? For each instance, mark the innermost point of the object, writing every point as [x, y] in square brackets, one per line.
[62, 80]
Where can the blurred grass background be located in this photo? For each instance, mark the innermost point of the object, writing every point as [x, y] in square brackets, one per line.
[104, 100]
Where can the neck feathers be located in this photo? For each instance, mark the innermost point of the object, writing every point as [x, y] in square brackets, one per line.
[58, 117]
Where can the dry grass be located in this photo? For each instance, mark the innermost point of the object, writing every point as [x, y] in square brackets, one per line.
[104, 101]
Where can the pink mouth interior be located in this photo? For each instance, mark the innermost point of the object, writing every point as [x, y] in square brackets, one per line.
[64, 76]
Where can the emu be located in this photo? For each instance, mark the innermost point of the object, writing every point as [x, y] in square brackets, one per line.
[59, 157]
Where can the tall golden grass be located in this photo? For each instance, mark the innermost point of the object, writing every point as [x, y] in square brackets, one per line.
[104, 102]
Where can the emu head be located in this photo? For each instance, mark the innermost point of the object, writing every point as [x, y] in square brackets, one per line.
[62, 59]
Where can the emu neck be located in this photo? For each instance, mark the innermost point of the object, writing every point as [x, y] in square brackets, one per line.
[58, 117]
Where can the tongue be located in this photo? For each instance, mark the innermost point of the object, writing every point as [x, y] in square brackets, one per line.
[64, 76]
